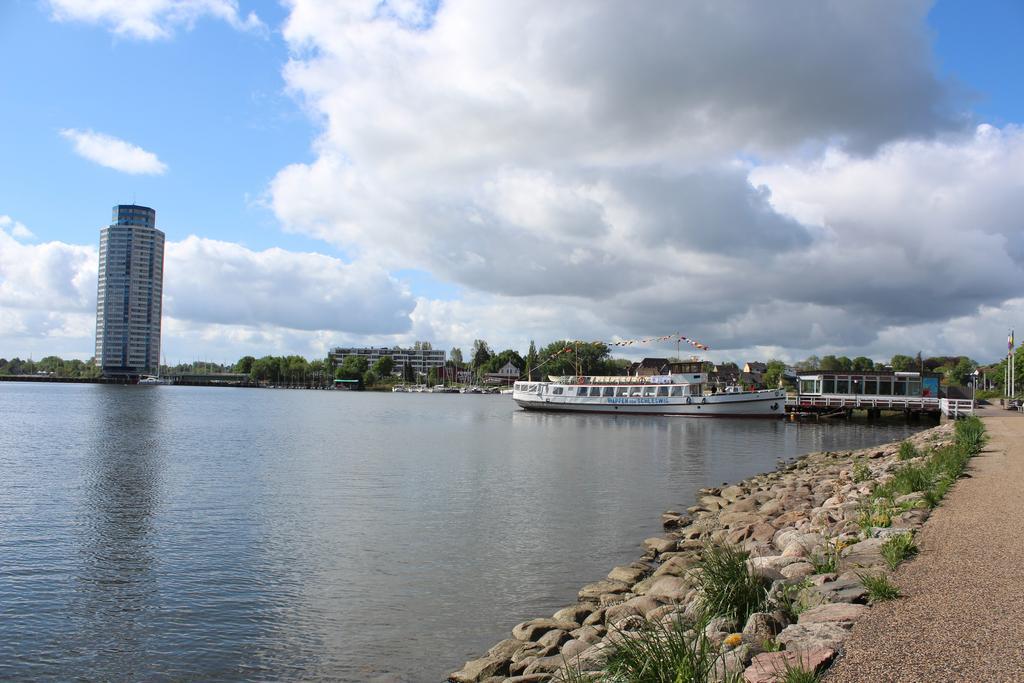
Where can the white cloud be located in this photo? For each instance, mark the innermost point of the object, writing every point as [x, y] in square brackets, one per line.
[218, 296]
[576, 163]
[152, 19]
[114, 153]
[297, 291]
[18, 230]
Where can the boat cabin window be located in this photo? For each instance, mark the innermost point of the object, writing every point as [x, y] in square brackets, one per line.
[532, 387]
[677, 390]
[557, 391]
[609, 391]
[634, 391]
[581, 391]
[649, 391]
[662, 391]
[810, 386]
[595, 391]
[621, 391]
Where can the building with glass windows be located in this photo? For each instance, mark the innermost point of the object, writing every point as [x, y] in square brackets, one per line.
[420, 359]
[872, 384]
[129, 293]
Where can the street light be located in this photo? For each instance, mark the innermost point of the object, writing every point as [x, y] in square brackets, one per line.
[974, 389]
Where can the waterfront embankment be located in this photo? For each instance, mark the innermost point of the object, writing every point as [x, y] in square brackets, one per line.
[757, 579]
[960, 617]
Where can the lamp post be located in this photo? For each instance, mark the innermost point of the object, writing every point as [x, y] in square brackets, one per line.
[974, 390]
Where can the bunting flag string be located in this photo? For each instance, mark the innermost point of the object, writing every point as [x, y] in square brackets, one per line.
[627, 342]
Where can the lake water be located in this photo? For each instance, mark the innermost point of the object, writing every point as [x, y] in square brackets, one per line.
[170, 533]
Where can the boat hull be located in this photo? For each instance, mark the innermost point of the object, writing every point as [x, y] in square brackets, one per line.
[765, 404]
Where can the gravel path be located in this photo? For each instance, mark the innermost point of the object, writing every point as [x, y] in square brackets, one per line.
[962, 614]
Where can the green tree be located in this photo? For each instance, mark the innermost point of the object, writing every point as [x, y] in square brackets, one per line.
[959, 374]
[267, 369]
[369, 378]
[830, 363]
[353, 367]
[901, 363]
[244, 364]
[812, 362]
[481, 353]
[497, 361]
[384, 366]
[863, 364]
[456, 357]
[845, 363]
[432, 377]
[591, 358]
[772, 376]
[531, 360]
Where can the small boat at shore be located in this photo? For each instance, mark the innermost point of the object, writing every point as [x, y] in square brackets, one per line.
[684, 395]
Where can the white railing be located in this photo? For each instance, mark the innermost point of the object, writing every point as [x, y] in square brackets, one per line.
[882, 402]
[955, 407]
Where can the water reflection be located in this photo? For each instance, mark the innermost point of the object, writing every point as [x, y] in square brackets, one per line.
[202, 534]
[116, 586]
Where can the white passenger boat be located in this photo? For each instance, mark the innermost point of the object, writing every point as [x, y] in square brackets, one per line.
[684, 394]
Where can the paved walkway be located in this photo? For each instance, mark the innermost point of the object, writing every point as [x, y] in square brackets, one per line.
[962, 614]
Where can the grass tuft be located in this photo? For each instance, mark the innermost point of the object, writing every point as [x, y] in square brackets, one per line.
[662, 654]
[898, 548]
[794, 673]
[728, 588]
[908, 451]
[861, 473]
[879, 588]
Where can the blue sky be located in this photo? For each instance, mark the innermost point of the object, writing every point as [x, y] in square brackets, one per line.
[448, 236]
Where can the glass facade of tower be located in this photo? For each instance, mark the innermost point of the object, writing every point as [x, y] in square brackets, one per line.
[129, 295]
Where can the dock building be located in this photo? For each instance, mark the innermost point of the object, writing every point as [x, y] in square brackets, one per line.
[129, 296]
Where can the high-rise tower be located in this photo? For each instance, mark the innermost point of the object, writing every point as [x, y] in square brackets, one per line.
[130, 293]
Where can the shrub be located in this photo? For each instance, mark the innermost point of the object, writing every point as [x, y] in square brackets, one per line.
[895, 549]
[879, 588]
[728, 588]
[875, 512]
[907, 451]
[861, 472]
[661, 654]
[970, 434]
[827, 561]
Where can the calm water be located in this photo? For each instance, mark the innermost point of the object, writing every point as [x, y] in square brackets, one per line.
[170, 533]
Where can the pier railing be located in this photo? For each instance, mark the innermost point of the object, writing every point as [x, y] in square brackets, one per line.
[956, 407]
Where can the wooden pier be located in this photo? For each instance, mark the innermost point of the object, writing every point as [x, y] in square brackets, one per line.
[838, 404]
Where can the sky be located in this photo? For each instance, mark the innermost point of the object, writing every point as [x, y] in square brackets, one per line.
[773, 179]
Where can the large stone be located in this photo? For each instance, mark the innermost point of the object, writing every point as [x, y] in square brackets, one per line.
[833, 613]
[576, 613]
[770, 667]
[738, 519]
[843, 589]
[797, 570]
[743, 505]
[864, 554]
[660, 545]
[669, 588]
[761, 627]
[594, 591]
[673, 520]
[480, 669]
[731, 493]
[535, 628]
[638, 606]
[628, 574]
[554, 639]
[676, 566]
[807, 636]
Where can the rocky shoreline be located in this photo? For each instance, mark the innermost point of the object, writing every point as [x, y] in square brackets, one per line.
[814, 532]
